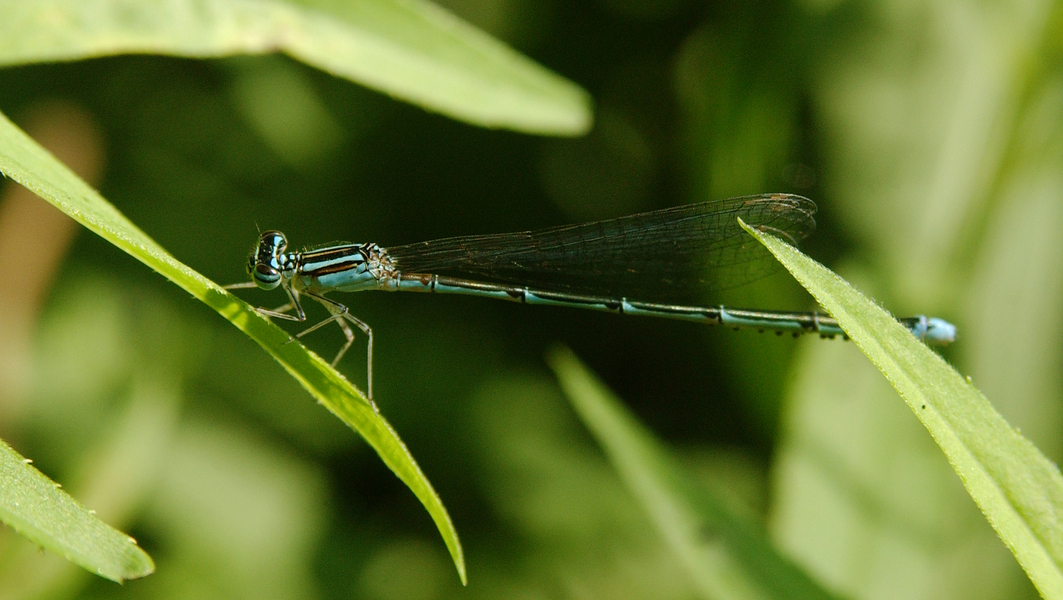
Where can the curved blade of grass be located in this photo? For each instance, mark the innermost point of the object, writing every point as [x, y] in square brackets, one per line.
[34, 506]
[26, 162]
[409, 49]
[1016, 487]
[727, 556]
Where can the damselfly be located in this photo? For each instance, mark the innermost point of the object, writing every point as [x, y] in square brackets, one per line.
[637, 265]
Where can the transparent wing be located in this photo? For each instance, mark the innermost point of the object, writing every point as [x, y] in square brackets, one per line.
[661, 255]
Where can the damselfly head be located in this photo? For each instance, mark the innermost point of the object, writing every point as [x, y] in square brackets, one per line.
[266, 263]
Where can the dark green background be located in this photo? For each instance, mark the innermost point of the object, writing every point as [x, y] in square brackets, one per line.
[693, 102]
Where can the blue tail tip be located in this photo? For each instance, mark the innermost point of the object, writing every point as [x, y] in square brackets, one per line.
[938, 332]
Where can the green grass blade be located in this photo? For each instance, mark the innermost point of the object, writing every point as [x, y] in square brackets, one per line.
[24, 161]
[34, 506]
[1017, 488]
[409, 49]
[727, 556]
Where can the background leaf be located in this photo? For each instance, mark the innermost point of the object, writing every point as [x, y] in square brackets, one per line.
[722, 551]
[406, 48]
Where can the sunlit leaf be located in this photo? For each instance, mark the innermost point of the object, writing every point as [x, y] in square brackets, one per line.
[26, 162]
[1018, 489]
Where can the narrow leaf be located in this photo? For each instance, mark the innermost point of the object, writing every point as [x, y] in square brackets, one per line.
[1017, 488]
[26, 162]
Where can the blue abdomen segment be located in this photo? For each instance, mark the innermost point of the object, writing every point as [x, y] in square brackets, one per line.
[930, 330]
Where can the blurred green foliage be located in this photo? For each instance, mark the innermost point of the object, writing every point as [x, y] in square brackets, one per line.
[930, 134]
